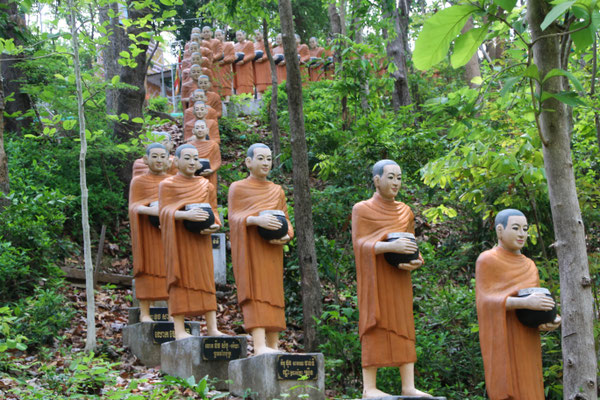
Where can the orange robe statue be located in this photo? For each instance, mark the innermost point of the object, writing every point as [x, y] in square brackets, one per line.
[314, 72]
[243, 79]
[224, 75]
[140, 168]
[385, 296]
[149, 268]
[257, 264]
[262, 68]
[512, 355]
[212, 124]
[281, 71]
[304, 54]
[210, 150]
[188, 256]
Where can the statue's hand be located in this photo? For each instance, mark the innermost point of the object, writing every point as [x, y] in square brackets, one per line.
[213, 228]
[550, 326]
[411, 266]
[206, 172]
[538, 301]
[281, 241]
[197, 215]
[403, 246]
[269, 222]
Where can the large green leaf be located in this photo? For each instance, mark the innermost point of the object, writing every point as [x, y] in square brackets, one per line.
[438, 32]
[555, 13]
[466, 45]
[562, 72]
[508, 5]
[569, 98]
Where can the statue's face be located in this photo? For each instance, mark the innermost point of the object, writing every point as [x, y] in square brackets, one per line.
[200, 129]
[313, 43]
[514, 236]
[389, 182]
[202, 96]
[258, 35]
[200, 111]
[240, 36]
[204, 83]
[188, 162]
[168, 143]
[260, 165]
[194, 47]
[157, 160]
[278, 39]
[196, 58]
[220, 35]
[206, 33]
[195, 95]
[195, 72]
[297, 41]
[195, 31]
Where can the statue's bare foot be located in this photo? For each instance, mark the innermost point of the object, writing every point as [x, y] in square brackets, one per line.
[146, 318]
[415, 392]
[183, 335]
[373, 393]
[264, 350]
[215, 332]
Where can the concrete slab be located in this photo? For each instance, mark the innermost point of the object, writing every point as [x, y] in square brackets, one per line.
[219, 244]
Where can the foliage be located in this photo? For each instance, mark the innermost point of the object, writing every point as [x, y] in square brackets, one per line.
[158, 104]
[9, 339]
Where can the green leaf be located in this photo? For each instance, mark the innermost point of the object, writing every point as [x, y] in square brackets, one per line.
[508, 85]
[466, 45]
[438, 32]
[532, 72]
[69, 124]
[124, 54]
[570, 76]
[555, 13]
[115, 79]
[583, 38]
[569, 98]
[167, 2]
[508, 5]
[478, 80]
[137, 120]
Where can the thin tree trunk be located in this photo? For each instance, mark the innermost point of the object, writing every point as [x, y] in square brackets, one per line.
[472, 67]
[110, 52]
[593, 86]
[90, 341]
[310, 285]
[396, 50]
[4, 181]
[273, 121]
[579, 374]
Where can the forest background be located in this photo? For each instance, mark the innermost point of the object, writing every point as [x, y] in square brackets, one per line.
[466, 139]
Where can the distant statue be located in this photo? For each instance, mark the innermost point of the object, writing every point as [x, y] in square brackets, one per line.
[262, 68]
[214, 44]
[200, 111]
[212, 98]
[208, 150]
[316, 60]
[149, 269]
[260, 226]
[279, 58]
[508, 297]
[140, 166]
[383, 227]
[224, 70]
[243, 80]
[188, 215]
[303, 57]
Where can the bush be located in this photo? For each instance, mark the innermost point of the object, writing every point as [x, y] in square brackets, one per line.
[160, 104]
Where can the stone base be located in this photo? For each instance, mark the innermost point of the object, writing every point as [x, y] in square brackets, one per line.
[139, 338]
[187, 357]
[158, 313]
[265, 376]
[405, 398]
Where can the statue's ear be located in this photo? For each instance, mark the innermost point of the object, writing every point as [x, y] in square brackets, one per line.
[176, 162]
[376, 180]
[248, 161]
[145, 158]
[499, 230]
[168, 164]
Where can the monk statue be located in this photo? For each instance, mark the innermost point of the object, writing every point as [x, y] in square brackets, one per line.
[279, 58]
[187, 58]
[212, 98]
[262, 69]
[243, 79]
[188, 255]
[316, 59]
[214, 44]
[207, 149]
[200, 111]
[303, 57]
[195, 32]
[192, 84]
[512, 353]
[149, 268]
[258, 262]
[385, 301]
[140, 166]
[224, 74]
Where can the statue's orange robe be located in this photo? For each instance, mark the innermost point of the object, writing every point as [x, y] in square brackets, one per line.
[210, 150]
[149, 268]
[257, 264]
[214, 100]
[304, 57]
[314, 72]
[212, 124]
[512, 353]
[188, 256]
[243, 78]
[224, 72]
[140, 167]
[327, 72]
[281, 71]
[385, 296]
[262, 69]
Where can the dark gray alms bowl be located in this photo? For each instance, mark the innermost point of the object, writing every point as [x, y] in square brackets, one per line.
[195, 226]
[154, 221]
[397, 258]
[268, 234]
[535, 318]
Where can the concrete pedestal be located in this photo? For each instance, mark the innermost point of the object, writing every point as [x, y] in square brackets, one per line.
[144, 339]
[268, 376]
[203, 355]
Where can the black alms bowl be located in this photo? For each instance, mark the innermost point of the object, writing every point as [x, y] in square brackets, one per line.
[397, 258]
[268, 234]
[204, 164]
[239, 56]
[278, 58]
[195, 226]
[154, 221]
[535, 318]
[258, 54]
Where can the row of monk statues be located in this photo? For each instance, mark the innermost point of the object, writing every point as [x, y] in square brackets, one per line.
[243, 67]
[173, 212]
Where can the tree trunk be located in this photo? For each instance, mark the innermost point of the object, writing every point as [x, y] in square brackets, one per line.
[4, 182]
[273, 121]
[579, 379]
[338, 28]
[90, 341]
[12, 74]
[396, 50]
[472, 67]
[131, 101]
[593, 87]
[311, 286]
[110, 53]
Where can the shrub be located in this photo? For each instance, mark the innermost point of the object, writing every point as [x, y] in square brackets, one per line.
[160, 104]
